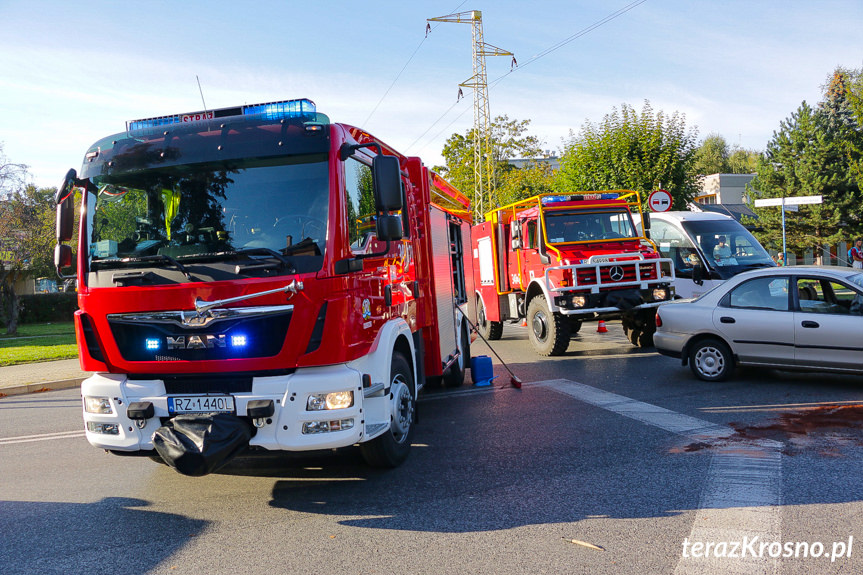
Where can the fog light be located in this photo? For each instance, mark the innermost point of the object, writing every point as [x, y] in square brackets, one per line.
[98, 405]
[313, 427]
[579, 301]
[335, 400]
[659, 293]
[103, 428]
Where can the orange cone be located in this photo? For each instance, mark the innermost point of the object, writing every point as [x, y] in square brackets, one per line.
[601, 327]
[524, 322]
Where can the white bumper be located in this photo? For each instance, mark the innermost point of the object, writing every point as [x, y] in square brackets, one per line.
[284, 430]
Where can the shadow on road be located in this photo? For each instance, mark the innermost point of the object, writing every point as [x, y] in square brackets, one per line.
[114, 535]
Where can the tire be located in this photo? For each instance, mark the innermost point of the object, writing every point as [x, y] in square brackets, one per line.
[639, 330]
[574, 326]
[454, 375]
[489, 330]
[548, 332]
[391, 449]
[711, 360]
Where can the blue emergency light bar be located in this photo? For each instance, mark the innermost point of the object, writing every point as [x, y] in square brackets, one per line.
[580, 197]
[301, 108]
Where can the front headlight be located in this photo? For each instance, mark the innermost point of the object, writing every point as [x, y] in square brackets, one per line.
[660, 294]
[335, 400]
[579, 301]
[98, 405]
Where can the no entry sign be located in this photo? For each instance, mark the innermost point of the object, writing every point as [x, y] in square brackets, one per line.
[659, 201]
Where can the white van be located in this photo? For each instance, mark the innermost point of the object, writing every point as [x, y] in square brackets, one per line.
[707, 248]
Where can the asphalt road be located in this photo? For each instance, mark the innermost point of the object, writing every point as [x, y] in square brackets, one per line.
[618, 449]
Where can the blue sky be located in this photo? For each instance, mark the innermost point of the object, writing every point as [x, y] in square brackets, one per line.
[73, 72]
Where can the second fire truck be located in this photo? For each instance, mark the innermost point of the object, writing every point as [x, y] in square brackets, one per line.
[559, 260]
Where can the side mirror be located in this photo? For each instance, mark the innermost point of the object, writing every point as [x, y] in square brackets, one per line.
[66, 207]
[515, 242]
[387, 183]
[698, 274]
[63, 259]
[389, 228]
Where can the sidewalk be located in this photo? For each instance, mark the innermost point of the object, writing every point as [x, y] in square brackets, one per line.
[44, 376]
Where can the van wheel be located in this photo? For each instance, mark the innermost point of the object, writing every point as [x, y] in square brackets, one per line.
[454, 375]
[548, 332]
[711, 360]
[392, 448]
[490, 330]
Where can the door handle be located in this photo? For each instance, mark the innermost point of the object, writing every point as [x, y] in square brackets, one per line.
[808, 323]
[726, 319]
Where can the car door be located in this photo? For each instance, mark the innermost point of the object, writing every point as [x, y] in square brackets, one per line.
[755, 317]
[828, 327]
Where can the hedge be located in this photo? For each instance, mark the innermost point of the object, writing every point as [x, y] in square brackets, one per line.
[48, 307]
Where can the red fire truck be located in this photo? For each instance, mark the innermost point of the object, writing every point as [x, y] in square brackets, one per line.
[259, 278]
[558, 260]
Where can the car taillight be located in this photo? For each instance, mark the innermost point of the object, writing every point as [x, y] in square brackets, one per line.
[658, 320]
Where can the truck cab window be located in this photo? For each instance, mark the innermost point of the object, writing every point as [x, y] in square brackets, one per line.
[360, 201]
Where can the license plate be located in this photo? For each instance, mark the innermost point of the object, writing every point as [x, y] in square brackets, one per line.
[201, 404]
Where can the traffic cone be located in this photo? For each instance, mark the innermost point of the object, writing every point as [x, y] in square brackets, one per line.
[601, 327]
[524, 322]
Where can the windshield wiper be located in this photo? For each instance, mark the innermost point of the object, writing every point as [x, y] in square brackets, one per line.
[283, 261]
[160, 258]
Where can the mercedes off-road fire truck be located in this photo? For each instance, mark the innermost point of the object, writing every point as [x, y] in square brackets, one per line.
[259, 278]
[558, 260]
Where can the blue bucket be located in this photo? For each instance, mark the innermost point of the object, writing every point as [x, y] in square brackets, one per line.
[481, 371]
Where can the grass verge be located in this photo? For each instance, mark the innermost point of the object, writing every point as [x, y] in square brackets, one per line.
[39, 342]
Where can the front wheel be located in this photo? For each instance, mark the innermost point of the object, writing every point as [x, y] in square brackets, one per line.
[392, 448]
[711, 360]
[548, 332]
[489, 330]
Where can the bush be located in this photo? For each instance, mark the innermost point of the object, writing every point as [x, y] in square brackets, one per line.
[49, 307]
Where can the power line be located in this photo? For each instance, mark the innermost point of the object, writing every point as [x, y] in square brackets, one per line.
[399, 75]
[542, 54]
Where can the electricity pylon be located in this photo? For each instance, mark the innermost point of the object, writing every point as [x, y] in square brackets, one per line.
[482, 153]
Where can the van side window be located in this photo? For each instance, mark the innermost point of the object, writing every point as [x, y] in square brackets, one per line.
[674, 244]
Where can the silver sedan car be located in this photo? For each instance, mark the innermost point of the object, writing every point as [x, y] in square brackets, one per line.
[795, 317]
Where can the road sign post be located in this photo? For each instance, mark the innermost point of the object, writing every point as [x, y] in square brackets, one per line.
[782, 202]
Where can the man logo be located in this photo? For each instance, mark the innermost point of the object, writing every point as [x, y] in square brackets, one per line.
[205, 341]
[616, 273]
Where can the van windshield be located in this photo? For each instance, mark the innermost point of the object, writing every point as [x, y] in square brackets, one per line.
[728, 247]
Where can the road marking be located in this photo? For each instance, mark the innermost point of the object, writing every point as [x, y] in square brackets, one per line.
[41, 437]
[741, 496]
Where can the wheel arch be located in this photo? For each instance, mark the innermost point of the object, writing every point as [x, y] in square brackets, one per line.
[687, 347]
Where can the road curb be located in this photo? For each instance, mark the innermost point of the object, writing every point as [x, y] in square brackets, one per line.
[41, 386]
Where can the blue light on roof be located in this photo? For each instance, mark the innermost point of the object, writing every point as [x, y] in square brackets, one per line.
[278, 110]
[301, 108]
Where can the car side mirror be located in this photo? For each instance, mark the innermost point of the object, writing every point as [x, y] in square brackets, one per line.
[387, 178]
[698, 274]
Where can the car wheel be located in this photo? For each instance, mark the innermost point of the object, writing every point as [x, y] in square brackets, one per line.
[489, 330]
[711, 360]
[548, 332]
[574, 325]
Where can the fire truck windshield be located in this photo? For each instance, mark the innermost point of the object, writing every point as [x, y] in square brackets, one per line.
[203, 211]
[588, 226]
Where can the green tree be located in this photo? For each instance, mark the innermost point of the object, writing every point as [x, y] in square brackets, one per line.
[712, 156]
[509, 140]
[27, 220]
[715, 156]
[630, 150]
[810, 155]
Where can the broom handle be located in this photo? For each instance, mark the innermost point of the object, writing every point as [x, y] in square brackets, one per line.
[467, 319]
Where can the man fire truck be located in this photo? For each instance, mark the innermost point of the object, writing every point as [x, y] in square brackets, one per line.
[259, 278]
[559, 260]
